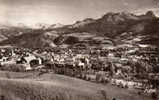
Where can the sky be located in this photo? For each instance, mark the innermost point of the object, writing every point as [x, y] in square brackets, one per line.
[31, 12]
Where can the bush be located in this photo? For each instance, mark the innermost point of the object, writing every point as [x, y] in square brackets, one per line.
[13, 67]
[2, 97]
[154, 95]
[104, 94]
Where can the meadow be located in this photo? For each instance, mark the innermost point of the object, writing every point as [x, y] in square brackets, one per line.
[50, 86]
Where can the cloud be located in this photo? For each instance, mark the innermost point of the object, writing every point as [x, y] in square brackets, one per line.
[67, 11]
[144, 10]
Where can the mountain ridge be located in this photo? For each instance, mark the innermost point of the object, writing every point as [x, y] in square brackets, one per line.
[111, 25]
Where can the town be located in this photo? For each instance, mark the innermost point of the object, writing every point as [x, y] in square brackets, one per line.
[124, 67]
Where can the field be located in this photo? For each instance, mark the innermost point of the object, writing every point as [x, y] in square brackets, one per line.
[49, 86]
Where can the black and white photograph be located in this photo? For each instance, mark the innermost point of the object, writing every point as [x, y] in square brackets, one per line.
[79, 49]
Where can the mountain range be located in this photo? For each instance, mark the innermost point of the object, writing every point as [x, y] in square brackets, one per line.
[112, 29]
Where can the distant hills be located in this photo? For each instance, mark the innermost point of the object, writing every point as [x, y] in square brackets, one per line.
[112, 29]
[7, 32]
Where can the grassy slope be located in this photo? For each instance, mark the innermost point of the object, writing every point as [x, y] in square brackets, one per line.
[34, 90]
[53, 87]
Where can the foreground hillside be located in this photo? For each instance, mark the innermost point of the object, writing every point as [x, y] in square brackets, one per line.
[33, 90]
[29, 86]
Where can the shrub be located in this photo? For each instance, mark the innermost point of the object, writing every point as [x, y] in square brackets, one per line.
[104, 94]
[154, 95]
[13, 67]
